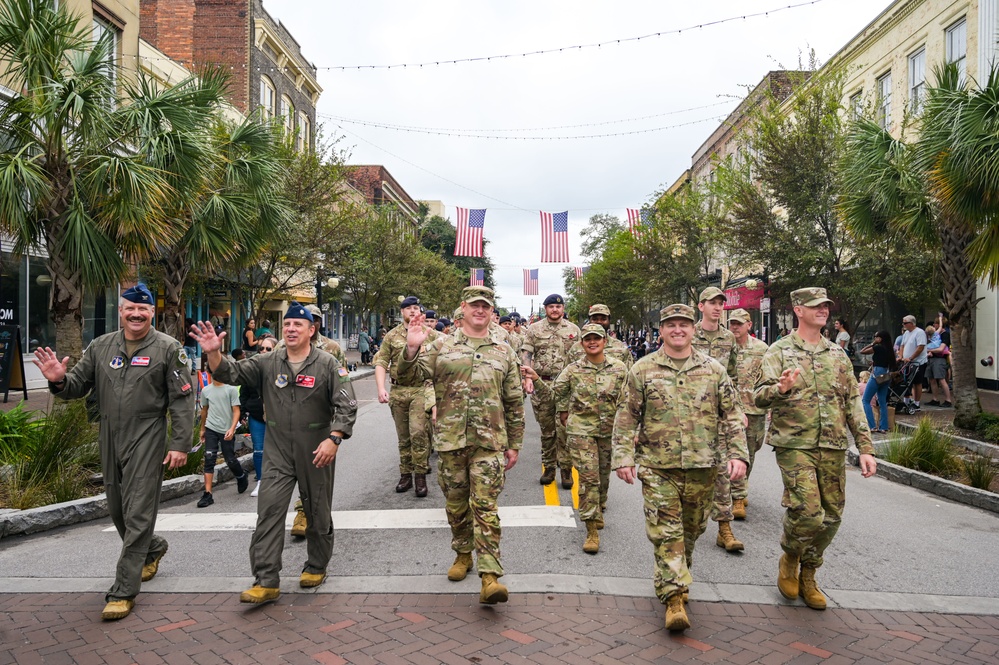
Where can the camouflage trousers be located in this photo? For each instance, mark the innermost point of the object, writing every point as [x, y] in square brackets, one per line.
[721, 509]
[591, 455]
[677, 503]
[554, 450]
[814, 495]
[412, 425]
[754, 441]
[471, 479]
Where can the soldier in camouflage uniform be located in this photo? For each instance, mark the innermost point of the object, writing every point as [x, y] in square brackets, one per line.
[546, 349]
[513, 339]
[749, 359]
[480, 429]
[409, 410]
[459, 320]
[587, 395]
[807, 382]
[684, 412]
[301, 522]
[616, 349]
[711, 338]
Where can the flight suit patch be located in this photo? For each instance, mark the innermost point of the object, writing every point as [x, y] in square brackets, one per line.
[281, 381]
[117, 362]
[140, 361]
[305, 381]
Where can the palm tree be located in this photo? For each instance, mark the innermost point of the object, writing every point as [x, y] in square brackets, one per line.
[224, 209]
[73, 176]
[942, 189]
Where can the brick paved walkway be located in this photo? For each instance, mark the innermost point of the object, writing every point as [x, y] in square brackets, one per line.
[455, 629]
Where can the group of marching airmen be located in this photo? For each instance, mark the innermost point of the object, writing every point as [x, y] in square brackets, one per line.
[686, 421]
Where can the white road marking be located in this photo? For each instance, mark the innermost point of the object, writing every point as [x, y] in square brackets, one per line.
[423, 518]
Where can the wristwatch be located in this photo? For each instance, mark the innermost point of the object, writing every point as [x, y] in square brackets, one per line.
[337, 440]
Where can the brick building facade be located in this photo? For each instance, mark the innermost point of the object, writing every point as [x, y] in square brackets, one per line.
[269, 72]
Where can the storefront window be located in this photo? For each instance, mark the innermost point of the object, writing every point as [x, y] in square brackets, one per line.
[41, 330]
[12, 305]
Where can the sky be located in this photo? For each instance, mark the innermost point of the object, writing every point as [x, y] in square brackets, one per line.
[680, 84]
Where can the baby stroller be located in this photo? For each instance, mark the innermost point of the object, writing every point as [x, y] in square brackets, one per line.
[901, 384]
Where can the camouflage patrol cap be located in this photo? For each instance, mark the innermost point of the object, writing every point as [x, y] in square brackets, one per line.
[592, 329]
[739, 316]
[677, 311]
[458, 314]
[599, 309]
[711, 293]
[472, 294]
[314, 310]
[810, 297]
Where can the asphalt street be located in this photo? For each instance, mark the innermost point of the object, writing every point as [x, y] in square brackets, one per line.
[893, 539]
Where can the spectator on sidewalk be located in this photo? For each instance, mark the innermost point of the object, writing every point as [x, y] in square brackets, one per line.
[937, 366]
[882, 362]
[364, 343]
[252, 405]
[843, 336]
[913, 350]
[219, 419]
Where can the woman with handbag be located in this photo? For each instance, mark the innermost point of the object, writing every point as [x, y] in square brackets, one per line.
[882, 365]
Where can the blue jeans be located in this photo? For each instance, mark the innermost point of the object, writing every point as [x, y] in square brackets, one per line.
[882, 393]
[257, 430]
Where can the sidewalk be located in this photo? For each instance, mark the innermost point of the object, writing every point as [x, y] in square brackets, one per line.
[456, 629]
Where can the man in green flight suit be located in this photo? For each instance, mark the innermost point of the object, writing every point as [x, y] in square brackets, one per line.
[682, 409]
[807, 383]
[480, 423]
[311, 409]
[138, 375]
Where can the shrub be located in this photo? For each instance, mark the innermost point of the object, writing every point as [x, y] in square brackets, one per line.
[925, 450]
[988, 427]
[980, 471]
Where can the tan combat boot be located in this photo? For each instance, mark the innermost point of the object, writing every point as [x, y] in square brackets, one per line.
[117, 609]
[592, 544]
[739, 509]
[150, 569]
[676, 614]
[459, 569]
[809, 590]
[309, 580]
[300, 524]
[787, 576]
[727, 539]
[259, 594]
[492, 591]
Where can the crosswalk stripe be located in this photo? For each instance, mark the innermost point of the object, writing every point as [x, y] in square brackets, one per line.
[423, 518]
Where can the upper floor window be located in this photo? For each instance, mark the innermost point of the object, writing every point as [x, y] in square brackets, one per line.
[957, 46]
[856, 104]
[884, 101]
[104, 29]
[287, 114]
[268, 98]
[304, 141]
[917, 80]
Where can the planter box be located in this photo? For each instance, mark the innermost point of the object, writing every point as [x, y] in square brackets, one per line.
[43, 518]
[947, 489]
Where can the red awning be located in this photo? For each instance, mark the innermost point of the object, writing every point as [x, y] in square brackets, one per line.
[741, 297]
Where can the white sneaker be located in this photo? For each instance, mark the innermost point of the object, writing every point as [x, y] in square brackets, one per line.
[256, 489]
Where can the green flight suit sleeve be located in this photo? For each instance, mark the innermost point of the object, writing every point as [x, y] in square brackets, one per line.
[343, 401]
[180, 400]
[246, 372]
[80, 379]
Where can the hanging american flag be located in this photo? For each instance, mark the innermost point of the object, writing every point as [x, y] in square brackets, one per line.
[468, 241]
[477, 277]
[555, 237]
[530, 282]
[637, 219]
[580, 271]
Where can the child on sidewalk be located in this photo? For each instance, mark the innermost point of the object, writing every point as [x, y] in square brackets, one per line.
[219, 418]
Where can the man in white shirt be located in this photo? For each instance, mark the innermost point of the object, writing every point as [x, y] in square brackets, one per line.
[913, 349]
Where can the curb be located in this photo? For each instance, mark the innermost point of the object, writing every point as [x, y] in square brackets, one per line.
[973, 445]
[947, 489]
[43, 518]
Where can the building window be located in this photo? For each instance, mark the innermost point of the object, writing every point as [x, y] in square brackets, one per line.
[856, 104]
[304, 142]
[103, 29]
[288, 114]
[957, 46]
[917, 80]
[884, 101]
[268, 98]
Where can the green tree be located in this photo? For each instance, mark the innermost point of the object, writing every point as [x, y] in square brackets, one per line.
[782, 216]
[74, 178]
[942, 189]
